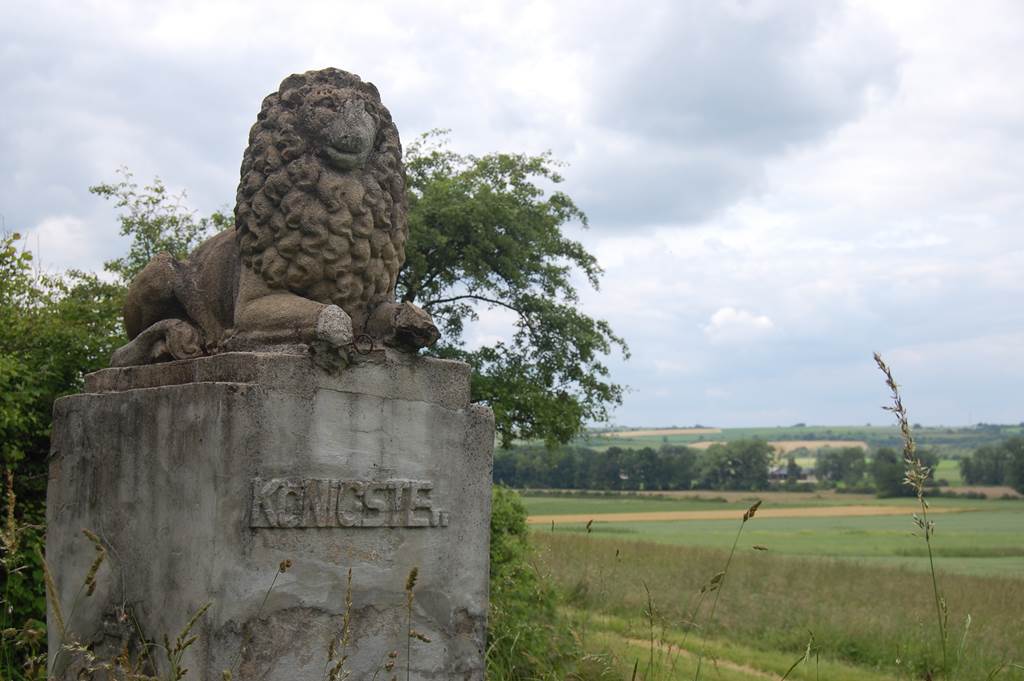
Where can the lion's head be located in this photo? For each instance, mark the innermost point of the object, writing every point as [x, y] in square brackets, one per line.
[321, 205]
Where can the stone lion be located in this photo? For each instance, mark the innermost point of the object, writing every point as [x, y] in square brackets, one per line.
[320, 231]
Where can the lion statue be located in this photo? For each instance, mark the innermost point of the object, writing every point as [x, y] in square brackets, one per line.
[319, 238]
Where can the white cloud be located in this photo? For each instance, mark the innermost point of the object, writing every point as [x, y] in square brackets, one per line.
[730, 325]
[815, 180]
[60, 239]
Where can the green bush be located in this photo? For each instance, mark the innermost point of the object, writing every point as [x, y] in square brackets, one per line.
[525, 638]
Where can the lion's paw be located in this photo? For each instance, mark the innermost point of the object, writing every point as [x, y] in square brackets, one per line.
[403, 326]
[332, 344]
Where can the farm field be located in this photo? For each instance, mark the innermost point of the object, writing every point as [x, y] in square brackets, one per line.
[633, 602]
[978, 537]
[784, 447]
[945, 440]
[858, 583]
[564, 503]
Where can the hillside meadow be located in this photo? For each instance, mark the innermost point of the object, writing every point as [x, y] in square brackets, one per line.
[858, 584]
[946, 441]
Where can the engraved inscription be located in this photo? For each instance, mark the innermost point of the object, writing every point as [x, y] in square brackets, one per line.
[303, 502]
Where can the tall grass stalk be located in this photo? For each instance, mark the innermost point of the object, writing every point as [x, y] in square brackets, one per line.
[916, 476]
[585, 591]
[337, 672]
[649, 613]
[812, 649]
[282, 568]
[717, 583]
[410, 584]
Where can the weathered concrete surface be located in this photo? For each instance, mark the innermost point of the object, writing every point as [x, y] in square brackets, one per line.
[201, 476]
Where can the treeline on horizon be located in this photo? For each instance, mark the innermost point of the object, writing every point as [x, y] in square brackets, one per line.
[747, 465]
[1001, 464]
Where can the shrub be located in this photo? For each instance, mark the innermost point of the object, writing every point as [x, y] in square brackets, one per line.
[525, 639]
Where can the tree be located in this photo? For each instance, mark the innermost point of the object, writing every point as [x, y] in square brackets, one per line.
[741, 464]
[53, 330]
[156, 220]
[846, 465]
[888, 471]
[483, 232]
[1014, 448]
[987, 466]
[678, 467]
[793, 471]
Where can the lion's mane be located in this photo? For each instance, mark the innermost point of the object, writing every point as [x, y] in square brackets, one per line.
[334, 237]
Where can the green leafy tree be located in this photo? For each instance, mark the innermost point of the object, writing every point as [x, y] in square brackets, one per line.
[987, 466]
[740, 464]
[847, 465]
[1014, 448]
[677, 468]
[53, 330]
[887, 472]
[483, 232]
[793, 471]
[156, 220]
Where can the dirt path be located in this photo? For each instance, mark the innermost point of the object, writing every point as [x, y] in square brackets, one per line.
[671, 650]
[733, 514]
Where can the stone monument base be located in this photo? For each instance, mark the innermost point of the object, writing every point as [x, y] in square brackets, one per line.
[203, 478]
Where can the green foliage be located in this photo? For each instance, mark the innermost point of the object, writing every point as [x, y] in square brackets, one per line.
[525, 639]
[612, 469]
[793, 471]
[53, 330]
[996, 464]
[483, 232]
[861, 614]
[157, 221]
[888, 470]
[846, 465]
[1014, 448]
[742, 464]
[23, 600]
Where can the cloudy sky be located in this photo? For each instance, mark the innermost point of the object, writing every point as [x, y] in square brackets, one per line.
[775, 189]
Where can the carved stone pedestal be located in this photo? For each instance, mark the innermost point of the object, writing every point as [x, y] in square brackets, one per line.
[201, 477]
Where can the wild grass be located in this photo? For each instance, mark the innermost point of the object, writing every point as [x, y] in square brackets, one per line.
[728, 659]
[978, 542]
[861, 615]
[916, 477]
[844, 613]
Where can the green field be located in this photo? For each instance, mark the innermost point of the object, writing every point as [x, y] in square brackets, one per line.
[869, 622]
[959, 441]
[860, 585]
[985, 537]
[949, 470]
[569, 503]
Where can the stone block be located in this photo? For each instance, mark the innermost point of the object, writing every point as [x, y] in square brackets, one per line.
[201, 476]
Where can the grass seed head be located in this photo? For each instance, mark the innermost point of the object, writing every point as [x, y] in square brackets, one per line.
[410, 581]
